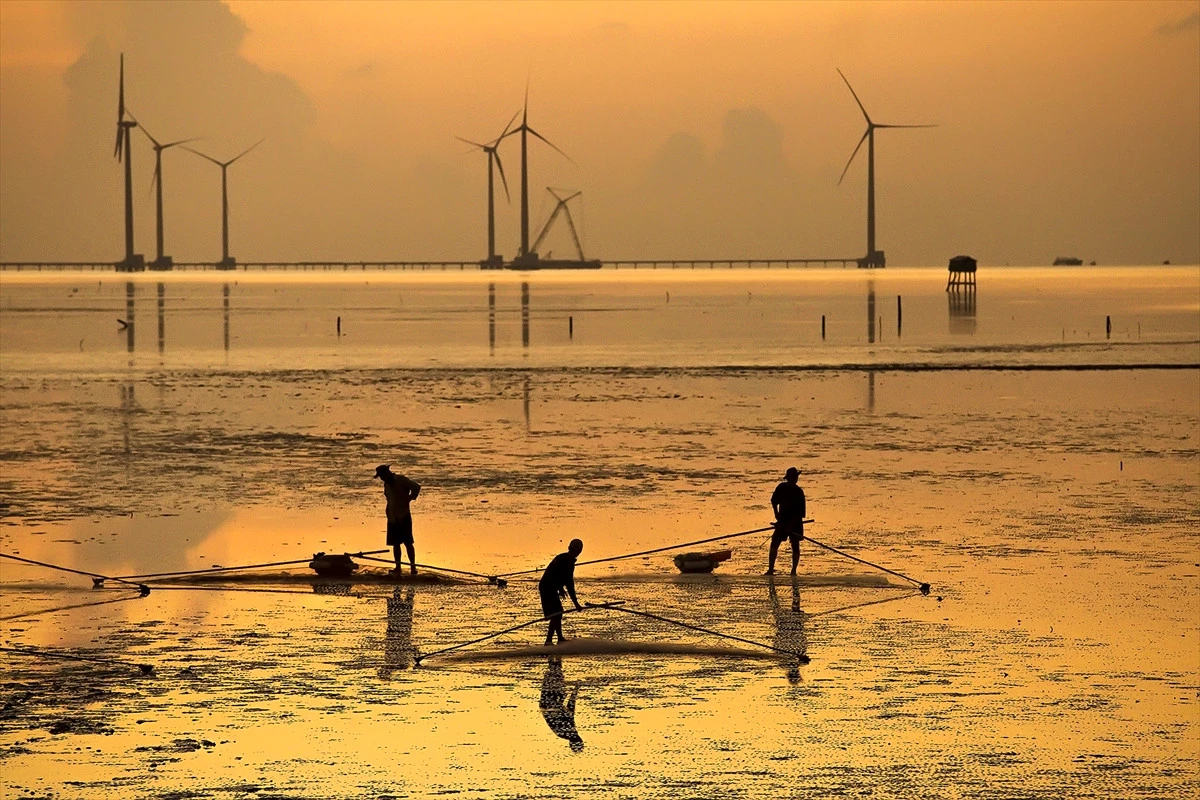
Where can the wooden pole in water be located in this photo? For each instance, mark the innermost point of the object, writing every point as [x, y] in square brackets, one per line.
[899, 316]
[1108, 327]
[822, 327]
[570, 327]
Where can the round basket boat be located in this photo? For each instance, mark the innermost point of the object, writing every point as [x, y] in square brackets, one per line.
[701, 562]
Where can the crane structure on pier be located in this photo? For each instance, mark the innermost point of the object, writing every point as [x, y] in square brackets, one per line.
[554, 263]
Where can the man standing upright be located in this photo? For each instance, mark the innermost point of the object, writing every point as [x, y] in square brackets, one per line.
[399, 491]
[787, 501]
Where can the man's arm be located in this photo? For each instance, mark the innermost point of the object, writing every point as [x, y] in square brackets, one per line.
[571, 590]
[412, 487]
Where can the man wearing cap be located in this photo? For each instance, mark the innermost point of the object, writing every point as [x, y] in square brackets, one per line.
[399, 492]
[787, 501]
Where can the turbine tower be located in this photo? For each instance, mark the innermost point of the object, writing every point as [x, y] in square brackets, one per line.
[226, 261]
[493, 260]
[874, 258]
[133, 262]
[525, 255]
[161, 262]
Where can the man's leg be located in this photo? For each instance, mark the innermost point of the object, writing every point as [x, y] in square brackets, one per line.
[412, 557]
[555, 627]
[396, 554]
[771, 557]
[795, 554]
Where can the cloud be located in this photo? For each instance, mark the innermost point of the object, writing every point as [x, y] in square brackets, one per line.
[1189, 23]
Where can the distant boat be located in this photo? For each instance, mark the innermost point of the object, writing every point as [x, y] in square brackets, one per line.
[1068, 261]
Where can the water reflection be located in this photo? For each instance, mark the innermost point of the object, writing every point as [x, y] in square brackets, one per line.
[557, 706]
[225, 305]
[525, 316]
[789, 628]
[526, 403]
[871, 340]
[162, 318]
[127, 409]
[961, 300]
[128, 316]
[397, 642]
[870, 312]
[492, 318]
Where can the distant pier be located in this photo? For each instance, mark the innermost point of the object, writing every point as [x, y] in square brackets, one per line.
[437, 266]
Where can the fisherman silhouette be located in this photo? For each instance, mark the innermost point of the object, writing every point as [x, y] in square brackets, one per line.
[789, 628]
[558, 709]
[787, 501]
[397, 643]
[399, 491]
[557, 582]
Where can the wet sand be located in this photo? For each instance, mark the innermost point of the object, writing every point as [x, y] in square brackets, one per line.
[1053, 511]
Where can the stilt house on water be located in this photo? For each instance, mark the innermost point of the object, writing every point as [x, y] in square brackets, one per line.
[962, 272]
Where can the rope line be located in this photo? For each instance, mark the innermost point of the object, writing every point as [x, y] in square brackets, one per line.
[97, 579]
[655, 550]
[27, 614]
[166, 587]
[206, 570]
[145, 668]
[924, 587]
[853, 606]
[801, 656]
[488, 578]
[589, 606]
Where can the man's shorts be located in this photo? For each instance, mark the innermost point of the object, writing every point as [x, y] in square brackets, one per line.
[785, 531]
[551, 604]
[399, 531]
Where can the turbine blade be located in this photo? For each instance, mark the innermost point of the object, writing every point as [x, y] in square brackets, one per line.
[506, 128]
[198, 153]
[473, 144]
[117, 147]
[857, 147]
[493, 153]
[142, 128]
[154, 179]
[906, 126]
[180, 141]
[860, 105]
[247, 150]
[547, 141]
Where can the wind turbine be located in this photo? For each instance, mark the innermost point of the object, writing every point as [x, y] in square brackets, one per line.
[523, 128]
[161, 261]
[226, 261]
[493, 159]
[133, 262]
[874, 258]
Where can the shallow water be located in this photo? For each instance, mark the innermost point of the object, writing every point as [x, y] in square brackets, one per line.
[1052, 501]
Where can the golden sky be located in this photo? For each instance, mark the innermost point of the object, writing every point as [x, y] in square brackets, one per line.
[694, 129]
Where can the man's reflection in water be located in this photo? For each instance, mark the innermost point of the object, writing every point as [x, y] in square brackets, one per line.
[557, 708]
[789, 628]
[397, 645]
